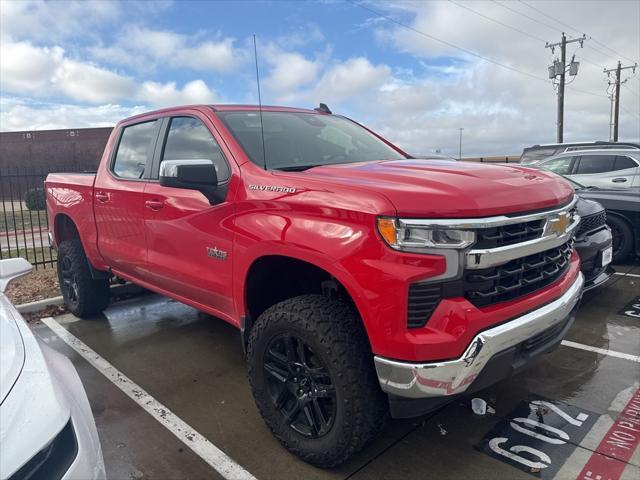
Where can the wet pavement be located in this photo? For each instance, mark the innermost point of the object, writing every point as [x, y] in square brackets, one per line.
[193, 364]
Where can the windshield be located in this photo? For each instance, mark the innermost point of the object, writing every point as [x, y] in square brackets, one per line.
[297, 141]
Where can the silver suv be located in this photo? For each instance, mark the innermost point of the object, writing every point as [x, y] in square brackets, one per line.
[538, 153]
[606, 168]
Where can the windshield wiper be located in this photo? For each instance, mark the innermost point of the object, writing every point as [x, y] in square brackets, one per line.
[298, 168]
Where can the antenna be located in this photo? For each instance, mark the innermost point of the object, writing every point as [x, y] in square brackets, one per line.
[255, 54]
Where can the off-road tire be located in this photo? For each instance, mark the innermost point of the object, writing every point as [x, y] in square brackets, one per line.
[87, 297]
[622, 238]
[333, 330]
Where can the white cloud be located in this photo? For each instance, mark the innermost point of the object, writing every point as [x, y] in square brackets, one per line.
[87, 83]
[47, 21]
[46, 72]
[351, 78]
[26, 68]
[18, 114]
[144, 48]
[289, 71]
[167, 94]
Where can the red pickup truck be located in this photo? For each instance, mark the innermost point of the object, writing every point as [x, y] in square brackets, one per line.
[363, 281]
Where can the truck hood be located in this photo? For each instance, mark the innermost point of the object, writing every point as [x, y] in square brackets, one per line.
[443, 188]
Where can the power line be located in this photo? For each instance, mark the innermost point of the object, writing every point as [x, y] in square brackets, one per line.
[618, 81]
[631, 91]
[527, 16]
[536, 20]
[444, 42]
[559, 70]
[535, 37]
[498, 22]
[462, 49]
[574, 29]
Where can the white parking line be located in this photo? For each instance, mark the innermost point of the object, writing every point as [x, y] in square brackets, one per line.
[627, 274]
[202, 447]
[602, 351]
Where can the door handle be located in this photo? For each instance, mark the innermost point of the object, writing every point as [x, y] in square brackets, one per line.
[619, 180]
[102, 197]
[154, 205]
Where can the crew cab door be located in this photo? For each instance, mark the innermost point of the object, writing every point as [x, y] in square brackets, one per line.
[189, 246]
[117, 201]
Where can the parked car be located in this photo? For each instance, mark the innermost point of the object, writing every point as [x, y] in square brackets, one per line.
[623, 216]
[597, 168]
[48, 430]
[363, 281]
[537, 153]
[594, 244]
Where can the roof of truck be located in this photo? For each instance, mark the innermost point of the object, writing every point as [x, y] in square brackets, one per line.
[224, 108]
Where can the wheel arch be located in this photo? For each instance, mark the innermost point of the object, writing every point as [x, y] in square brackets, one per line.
[272, 278]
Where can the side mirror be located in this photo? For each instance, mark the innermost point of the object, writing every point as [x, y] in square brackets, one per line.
[11, 269]
[191, 174]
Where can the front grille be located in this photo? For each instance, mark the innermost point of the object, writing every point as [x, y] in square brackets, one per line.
[517, 278]
[423, 300]
[509, 234]
[590, 223]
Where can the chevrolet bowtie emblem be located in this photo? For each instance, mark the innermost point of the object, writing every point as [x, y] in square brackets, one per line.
[558, 225]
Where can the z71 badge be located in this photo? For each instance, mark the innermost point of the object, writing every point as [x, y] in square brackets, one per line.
[215, 253]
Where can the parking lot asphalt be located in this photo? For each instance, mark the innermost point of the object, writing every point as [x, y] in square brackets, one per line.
[574, 413]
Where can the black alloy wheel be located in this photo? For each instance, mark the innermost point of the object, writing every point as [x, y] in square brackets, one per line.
[69, 283]
[300, 386]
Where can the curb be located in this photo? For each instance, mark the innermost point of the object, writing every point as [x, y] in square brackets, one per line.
[39, 305]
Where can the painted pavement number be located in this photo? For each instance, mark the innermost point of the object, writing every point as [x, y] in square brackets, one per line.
[538, 436]
[632, 309]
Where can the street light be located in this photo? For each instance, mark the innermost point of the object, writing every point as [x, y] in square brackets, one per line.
[460, 152]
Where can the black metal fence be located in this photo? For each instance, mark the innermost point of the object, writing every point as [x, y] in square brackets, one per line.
[24, 223]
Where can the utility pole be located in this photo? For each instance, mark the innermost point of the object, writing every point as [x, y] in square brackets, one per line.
[617, 83]
[559, 69]
[460, 151]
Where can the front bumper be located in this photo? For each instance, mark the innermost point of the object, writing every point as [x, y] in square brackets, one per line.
[452, 377]
[590, 249]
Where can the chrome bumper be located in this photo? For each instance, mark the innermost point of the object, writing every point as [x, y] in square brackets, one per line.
[439, 379]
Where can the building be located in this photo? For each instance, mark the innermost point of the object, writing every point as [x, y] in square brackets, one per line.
[47, 150]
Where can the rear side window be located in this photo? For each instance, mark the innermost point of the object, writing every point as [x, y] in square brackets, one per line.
[595, 164]
[134, 150]
[189, 139]
[622, 163]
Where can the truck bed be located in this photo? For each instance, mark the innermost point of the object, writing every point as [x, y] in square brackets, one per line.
[71, 194]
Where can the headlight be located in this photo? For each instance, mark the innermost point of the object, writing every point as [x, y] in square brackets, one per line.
[408, 238]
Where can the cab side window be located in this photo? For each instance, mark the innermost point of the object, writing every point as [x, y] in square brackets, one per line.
[561, 166]
[134, 149]
[595, 164]
[189, 139]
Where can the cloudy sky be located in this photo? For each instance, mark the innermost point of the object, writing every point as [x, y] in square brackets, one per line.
[416, 71]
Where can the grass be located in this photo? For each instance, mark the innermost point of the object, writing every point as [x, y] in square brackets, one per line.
[37, 254]
[22, 220]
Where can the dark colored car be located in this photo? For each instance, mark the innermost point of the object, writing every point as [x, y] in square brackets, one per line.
[623, 216]
[593, 243]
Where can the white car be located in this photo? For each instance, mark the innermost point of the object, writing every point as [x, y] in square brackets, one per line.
[47, 429]
[611, 168]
